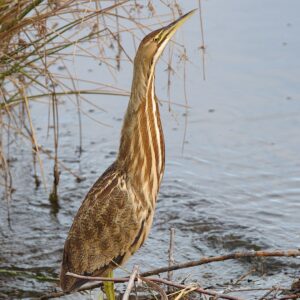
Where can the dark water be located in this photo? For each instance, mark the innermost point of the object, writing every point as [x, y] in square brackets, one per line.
[236, 186]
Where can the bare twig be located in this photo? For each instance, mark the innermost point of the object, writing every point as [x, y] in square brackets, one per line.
[171, 255]
[184, 58]
[155, 287]
[130, 282]
[292, 296]
[152, 280]
[202, 47]
[235, 255]
[263, 297]
[244, 276]
[204, 260]
[198, 289]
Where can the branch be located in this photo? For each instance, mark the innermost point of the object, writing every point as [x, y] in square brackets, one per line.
[155, 287]
[130, 282]
[198, 289]
[154, 280]
[204, 260]
[292, 296]
[171, 252]
[235, 255]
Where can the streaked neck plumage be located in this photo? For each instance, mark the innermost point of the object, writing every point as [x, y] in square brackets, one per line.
[142, 148]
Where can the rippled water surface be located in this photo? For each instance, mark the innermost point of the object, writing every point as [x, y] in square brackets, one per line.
[236, 186]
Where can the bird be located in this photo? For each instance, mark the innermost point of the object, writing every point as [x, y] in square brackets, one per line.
[116, 215]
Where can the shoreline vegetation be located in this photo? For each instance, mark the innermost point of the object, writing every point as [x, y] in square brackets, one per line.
[183, 291]
[145, 285]
[36, 37]
[39, 41]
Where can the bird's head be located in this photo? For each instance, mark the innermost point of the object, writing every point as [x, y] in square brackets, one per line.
[155, 42]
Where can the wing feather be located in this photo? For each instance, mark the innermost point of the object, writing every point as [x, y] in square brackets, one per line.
[103, 230]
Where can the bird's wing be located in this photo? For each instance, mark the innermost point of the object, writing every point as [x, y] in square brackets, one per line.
[103, 230]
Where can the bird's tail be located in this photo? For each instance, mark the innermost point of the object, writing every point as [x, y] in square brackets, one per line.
[69, 283]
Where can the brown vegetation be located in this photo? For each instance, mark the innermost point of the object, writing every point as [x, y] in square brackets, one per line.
[38, 35]
[183, 291]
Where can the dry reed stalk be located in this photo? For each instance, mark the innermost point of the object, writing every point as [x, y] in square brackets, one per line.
[202, 46]
[25, 60]
[131, 282]
[171, 255]
[36, 36]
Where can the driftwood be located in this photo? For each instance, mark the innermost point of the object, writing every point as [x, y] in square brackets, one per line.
[153, 282]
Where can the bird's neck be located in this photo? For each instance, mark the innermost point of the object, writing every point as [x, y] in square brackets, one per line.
[142, 148]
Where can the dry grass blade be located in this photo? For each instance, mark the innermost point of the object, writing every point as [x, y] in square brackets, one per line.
[184, 292]
[40, 41]
[33, 137]
[33, 36]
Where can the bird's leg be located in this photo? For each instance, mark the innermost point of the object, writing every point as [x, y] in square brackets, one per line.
[109, 288]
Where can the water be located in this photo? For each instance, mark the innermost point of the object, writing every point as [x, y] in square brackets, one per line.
[236, 186]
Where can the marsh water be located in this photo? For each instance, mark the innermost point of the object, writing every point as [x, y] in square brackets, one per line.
[234, 186]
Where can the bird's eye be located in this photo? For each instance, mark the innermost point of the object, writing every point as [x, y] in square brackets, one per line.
[156, 39]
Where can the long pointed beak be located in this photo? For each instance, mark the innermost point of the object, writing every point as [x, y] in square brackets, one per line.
[172, 28]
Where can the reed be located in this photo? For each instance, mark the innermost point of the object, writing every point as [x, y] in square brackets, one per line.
[36, 36]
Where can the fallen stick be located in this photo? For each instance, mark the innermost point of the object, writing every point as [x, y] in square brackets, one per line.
[235, 255]
[130, 282]
[204, 260]
[154, 280]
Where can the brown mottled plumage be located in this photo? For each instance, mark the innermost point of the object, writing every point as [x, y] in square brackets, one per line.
[117, 213]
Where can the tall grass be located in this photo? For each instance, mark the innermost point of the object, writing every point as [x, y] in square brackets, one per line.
[34, 37]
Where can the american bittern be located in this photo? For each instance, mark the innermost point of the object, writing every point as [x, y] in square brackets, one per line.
[116, 216]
